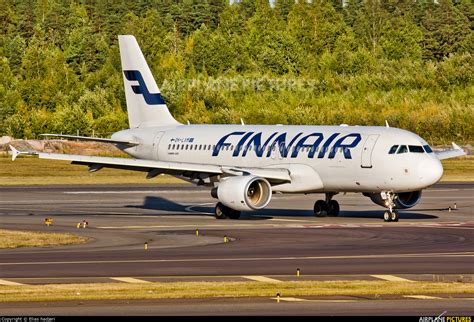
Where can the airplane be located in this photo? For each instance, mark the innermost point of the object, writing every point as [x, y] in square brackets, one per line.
[246, 164]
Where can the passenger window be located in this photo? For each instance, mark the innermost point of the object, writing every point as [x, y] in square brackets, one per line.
[428, 149]
[393, 149]
[402, 149]
[416, 149]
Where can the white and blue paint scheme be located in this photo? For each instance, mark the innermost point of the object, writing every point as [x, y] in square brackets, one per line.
[245, 164]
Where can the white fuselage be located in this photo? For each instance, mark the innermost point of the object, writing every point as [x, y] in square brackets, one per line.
[319, 158]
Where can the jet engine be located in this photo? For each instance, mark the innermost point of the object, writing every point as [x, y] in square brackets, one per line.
[244, 193]
[402, 200]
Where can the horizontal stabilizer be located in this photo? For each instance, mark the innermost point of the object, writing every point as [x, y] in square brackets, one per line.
[16, 153]
[88, 138]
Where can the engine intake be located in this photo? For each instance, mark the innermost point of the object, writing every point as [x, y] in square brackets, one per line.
[244, 193]
[403, 200]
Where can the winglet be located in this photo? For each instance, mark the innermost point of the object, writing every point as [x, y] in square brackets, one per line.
[455, 146]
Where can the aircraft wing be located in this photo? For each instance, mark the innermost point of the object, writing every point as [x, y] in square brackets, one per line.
[273, 175]
[455, 152]
[88, 138]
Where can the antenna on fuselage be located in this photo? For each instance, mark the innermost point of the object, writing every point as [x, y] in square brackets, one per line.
[242, 121]
[386, 123]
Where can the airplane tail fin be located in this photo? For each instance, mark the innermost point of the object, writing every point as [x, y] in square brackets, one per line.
[145, 105]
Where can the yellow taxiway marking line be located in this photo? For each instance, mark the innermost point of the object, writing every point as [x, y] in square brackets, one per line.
[391, 278]
[423, 297]
[9, 283]
[129, 280]
[262, 279]
[294, 299]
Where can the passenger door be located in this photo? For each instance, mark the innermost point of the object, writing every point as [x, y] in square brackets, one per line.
[366, 161]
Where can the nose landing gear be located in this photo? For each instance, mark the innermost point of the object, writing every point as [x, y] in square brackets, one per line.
[328, 207]
[390, 214]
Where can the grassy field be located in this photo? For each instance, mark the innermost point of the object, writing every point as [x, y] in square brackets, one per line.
[15, 239]
[34, 171]
[459, 169]
[173, 290]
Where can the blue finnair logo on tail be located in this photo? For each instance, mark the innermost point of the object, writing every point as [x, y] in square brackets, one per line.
[150, 99]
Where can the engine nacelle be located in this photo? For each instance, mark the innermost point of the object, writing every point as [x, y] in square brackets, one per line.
[403, 200]
[244, 193]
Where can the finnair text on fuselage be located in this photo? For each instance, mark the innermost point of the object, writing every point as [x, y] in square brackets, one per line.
[312, 141]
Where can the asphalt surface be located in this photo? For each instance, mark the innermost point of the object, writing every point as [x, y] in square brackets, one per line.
[429, 241]
[247, 306]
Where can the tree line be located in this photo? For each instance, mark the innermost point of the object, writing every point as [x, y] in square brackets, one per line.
[295, 62]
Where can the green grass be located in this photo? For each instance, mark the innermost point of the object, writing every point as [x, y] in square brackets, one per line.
[174, 290]
[459, 169]
[15, 239]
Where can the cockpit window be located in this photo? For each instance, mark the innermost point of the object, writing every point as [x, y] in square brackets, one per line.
[402, 149]
[427, 149]
[416, 149]
[393, 149]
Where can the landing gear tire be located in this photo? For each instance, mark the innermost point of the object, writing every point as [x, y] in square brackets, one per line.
[333, 208]
[320, 208]
[394, 216]
[220, 211]
[387, 216]
[224, 212]
[234, 214]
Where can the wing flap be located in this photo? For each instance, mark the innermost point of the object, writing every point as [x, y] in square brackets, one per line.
[131, 163]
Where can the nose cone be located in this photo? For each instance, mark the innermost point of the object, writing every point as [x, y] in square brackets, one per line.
[430, 171]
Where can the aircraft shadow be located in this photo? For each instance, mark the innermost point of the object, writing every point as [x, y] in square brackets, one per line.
[163, 204]
[270, 213]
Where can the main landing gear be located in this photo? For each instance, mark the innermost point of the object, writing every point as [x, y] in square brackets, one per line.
[328, 207]
[390, 214]
[224, 212]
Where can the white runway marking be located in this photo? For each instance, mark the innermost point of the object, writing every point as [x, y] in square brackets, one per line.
[190, 208]
[294, 299]
[423, 297]
[391, 278]
[129, 280]
[9, 283]
[190, 260]
[262, 279]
